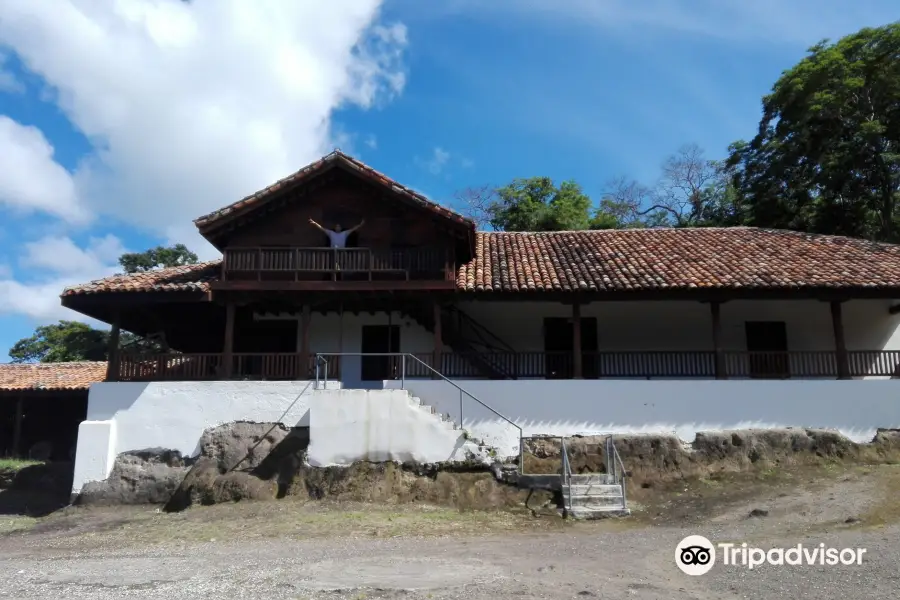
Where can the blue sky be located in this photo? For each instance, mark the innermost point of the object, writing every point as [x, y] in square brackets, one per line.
[121, 122]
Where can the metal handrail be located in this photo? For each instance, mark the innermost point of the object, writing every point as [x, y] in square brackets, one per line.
[613, 453]
[320, 358]
[567, 472]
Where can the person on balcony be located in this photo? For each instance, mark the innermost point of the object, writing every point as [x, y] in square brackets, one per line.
[337, 237]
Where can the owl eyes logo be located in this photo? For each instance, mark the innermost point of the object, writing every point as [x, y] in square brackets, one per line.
[695, 555]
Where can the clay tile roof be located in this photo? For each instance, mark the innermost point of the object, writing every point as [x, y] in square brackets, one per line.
[621, 260]
[657, 259]
[308, 171]
[51, 376]
[186, 278]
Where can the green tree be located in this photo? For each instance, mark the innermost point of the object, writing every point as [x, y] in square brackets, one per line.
[159, 257]
[827, 155]
[68, 341]
[533, 204]
[65, 341]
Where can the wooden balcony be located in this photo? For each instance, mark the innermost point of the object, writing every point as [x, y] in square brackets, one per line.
[520, 365]
[336, 268]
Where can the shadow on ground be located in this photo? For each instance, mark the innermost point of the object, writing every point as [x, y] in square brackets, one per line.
[36, 490]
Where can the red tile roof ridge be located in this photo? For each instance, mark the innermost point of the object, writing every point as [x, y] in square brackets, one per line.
[76, 375]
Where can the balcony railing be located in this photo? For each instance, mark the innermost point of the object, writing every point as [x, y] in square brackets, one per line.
[304, 264]
[520, 365]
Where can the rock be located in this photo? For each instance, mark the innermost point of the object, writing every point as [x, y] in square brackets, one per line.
[852, 520]
[139, 477]
[242, 446]
[759, 512]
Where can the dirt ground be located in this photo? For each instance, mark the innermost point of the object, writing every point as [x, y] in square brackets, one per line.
[290, 549]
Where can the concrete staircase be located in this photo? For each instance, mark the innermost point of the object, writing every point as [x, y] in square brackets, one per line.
[593, 496]
[478, 449]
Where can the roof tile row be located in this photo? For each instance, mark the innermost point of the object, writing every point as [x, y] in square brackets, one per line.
[617, 260]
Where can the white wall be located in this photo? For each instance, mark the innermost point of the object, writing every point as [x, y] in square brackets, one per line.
[347, 426]
[625, 326]
[569, 407]
[668, 325]
[338, 333]
[127, 416]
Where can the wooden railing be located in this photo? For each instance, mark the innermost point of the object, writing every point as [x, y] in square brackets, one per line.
[366, 263]
[210, 367]
[518, 365]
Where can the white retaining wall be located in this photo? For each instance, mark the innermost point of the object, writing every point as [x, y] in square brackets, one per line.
[855, 408]
[348, 426]
[382, 425]
[125, 416]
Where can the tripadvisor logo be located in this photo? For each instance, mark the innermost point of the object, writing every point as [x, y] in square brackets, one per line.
[696, 555]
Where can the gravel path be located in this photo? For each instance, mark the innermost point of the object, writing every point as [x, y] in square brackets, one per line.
[290, 551]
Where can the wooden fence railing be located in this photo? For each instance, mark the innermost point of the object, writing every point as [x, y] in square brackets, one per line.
[265, 263]
[518, 365]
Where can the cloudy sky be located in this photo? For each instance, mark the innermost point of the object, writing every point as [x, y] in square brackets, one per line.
[121, 121]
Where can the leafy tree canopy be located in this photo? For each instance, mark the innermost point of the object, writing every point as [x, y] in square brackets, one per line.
[159, 257]
[68, 341]
[827, 155]
[691, 191]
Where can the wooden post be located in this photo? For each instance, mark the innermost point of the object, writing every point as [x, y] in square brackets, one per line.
[578, 371]
[304, 341]
[840, 344]
[715, 310]
[438, 341]
[112, 353]
[17, 432]
[228, 347]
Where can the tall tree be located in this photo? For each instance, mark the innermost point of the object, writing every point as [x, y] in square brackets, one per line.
[68, 341]
[159, 257]
[533, 204]
[827, 155]
[65, 341]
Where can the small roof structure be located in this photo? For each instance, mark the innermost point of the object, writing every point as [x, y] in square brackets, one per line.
[68, 376]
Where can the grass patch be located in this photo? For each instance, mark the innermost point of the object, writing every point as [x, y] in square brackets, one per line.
[9, 524]
[17, 464]
[886, 510]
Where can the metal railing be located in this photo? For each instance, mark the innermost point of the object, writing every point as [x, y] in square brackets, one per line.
[615, 468]
[567, 474]
[322, 358]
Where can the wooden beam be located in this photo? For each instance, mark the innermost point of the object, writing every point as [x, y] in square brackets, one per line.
[112, 353]
[578, 369]
[334, 286]
[715, 311]
[304, 338]
[228, 347]
[840, 344]
[17, 431]
[438, 340]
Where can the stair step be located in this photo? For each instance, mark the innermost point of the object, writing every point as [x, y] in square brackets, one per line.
[593, 501]
[593, 490]
[591, 479]
[592, 513]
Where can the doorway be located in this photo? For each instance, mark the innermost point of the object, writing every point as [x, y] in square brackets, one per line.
[559, 337]
[767, 345]
[379, 339]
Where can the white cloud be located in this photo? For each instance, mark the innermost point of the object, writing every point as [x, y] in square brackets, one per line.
[30, 179]
[371, 141]
[435, 163]
[54, 263]
[190, 106]
[8, 81]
